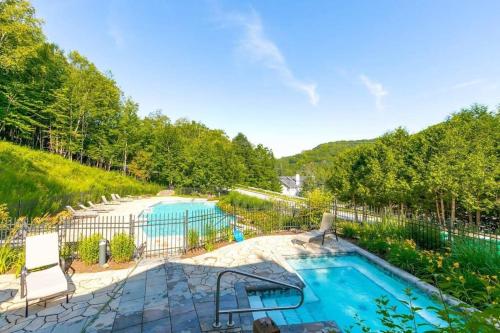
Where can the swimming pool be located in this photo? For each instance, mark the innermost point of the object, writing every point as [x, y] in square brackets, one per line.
[169, 218]
[339, 287]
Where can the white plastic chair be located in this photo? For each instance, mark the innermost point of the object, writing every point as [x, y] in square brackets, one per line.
[42, 275]
[325, 227]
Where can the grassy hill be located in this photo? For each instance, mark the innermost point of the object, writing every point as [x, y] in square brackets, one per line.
[34, 182]
[316, 158]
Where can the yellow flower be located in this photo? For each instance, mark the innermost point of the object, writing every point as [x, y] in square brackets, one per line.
[440, 264]
[456, 265]
[448, 278]
[461, 278]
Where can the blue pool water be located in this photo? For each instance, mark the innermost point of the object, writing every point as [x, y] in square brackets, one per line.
[168, 219]
[338, 288]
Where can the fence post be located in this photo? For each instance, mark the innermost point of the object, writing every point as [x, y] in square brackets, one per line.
[131, 225]
[235, 218]
[335, 215]
[186, 217]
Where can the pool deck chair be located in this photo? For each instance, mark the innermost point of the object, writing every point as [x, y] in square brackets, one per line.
[106, 202]
[81, 213]
[116, 197]
[325, 227]
[94, 209]
[42, 276]
[99, 207]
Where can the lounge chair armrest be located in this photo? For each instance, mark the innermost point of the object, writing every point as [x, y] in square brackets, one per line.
[24, 274]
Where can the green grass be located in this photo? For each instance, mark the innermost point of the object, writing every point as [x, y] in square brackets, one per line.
[35, 183]
[271, 194]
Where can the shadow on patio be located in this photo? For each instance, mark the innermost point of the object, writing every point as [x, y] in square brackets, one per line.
[165, 296]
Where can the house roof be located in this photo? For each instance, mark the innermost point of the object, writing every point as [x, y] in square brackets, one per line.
[288, 182]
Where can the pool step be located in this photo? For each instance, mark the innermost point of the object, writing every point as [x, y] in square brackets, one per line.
[256, 302]
[309, 295]
[291, 317]
[276, 316]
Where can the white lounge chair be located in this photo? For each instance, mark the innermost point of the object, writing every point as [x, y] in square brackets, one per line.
[92, 209]
[128, 197]
[325, 227]
[80, 213]
[42, 276]
[116, 197]
[106, 202]
[99, 206]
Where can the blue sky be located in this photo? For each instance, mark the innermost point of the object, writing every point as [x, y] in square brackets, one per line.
[291, 74]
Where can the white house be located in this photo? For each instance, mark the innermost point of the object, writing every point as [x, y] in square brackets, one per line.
[290, 185]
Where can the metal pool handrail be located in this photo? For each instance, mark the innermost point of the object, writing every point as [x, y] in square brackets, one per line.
[230, 322]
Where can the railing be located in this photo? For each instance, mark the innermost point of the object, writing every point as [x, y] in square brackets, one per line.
[230, 322]
[176, 233]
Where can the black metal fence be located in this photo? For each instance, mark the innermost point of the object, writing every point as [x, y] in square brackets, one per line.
[425, 230]
[172, 234]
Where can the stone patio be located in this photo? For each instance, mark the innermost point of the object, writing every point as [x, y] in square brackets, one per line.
[160, 295]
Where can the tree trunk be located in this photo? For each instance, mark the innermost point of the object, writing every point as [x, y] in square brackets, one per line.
[437, 211]
[469, 214]
[125, 160]
[443, 215]
[453, 208]
[478, 217]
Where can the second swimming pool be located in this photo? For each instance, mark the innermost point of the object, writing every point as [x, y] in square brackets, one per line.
[177, 218]
[341, 287]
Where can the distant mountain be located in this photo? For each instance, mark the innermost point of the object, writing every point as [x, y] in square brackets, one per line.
[309, 161]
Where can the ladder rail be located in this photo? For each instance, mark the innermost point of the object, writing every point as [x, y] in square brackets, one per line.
[230, 323]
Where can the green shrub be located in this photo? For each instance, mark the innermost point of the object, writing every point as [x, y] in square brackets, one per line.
[210, 233]
[349, 229]
[68, 250]
[193, 238]
[475, 257]
[122, 247]
[210, 237]
[88, 249]
[11, 259]
[319, 201]
[382, 230]
[405, 255]
[239, 200]
[426, 235]
[209, 246]
[6, 258]
[376, 245]
[249, 233]
[227, 232]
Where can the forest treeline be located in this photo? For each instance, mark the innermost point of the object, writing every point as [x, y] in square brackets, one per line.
[314, 164]
[60, 102]
[447, 169]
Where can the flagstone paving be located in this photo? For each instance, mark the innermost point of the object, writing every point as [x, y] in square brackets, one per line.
[159, 295]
